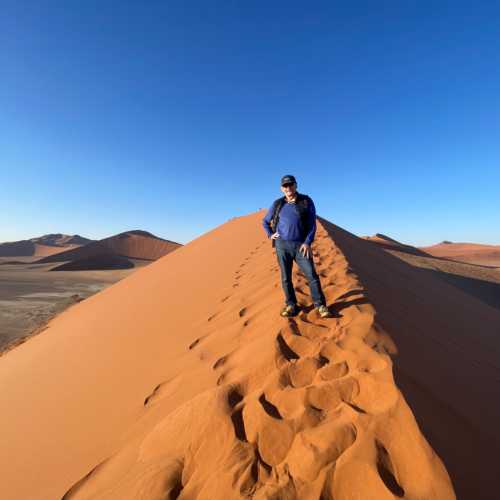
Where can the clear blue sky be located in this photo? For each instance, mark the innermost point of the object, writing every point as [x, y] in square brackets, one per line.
[174, 117]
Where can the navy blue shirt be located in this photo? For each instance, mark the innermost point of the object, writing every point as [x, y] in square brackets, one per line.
[289, 223]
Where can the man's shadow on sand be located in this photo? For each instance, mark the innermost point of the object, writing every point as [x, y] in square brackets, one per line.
[340, 303]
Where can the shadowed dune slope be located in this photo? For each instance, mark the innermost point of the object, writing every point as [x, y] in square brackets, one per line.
[28, 248]
[390, 244]
[182, 381]
[96, 262]
[132, 244]
[42, 246]
[448, 362]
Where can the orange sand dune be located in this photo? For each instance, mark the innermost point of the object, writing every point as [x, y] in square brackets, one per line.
[41, 246]
[390, 244]
[182, 381]
[45, 250]
[61, 240]
[96, 262]
[467, 252]
[132, 244]
[27, 248]
[448, 364]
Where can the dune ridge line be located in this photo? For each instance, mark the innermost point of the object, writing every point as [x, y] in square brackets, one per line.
[289, 408]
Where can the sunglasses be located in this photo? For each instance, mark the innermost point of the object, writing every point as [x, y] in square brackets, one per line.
[289, 184]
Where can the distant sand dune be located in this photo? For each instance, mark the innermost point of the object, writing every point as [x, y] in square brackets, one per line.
[96, 262]
[42, 246]
[131, 244]
[386, 242]
[28, 248]
[466, 252]
[59, 239]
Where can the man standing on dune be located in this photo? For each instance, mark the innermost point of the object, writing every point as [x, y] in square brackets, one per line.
[291, 225]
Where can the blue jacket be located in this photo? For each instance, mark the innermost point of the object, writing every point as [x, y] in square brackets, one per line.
[289, 223]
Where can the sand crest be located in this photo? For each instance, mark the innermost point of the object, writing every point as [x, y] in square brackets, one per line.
[130, 244]
[182, 381]
[42, 246]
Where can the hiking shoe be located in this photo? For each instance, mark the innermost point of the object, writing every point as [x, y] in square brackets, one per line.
[288, 311]
[324, 312]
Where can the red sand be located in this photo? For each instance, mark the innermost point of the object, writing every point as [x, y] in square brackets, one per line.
[182, 381]
[28, 248]
[466, 252]
[131, 244]
[42, 246]
[390, 244]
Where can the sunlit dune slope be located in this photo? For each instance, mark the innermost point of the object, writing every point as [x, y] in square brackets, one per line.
[39, 247]
[182, 381]
[466, 252]
[131, 244]
[61, 240]
[42, 246]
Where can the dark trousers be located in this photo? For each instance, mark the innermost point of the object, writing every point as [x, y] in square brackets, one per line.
[287, 252]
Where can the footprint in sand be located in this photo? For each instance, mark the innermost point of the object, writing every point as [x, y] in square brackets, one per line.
[386, 470]
[234, 396]
[269, 408]
[239, 425]
[220, 362]
[196, 342]
[302, 372]
[333, 371]
[163, 390]
[284, 349]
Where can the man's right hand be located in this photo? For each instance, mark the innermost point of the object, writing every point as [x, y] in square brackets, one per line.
[275, 236]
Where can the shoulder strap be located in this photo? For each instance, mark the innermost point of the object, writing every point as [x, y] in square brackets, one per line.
[302, 200]
[277, 206]
[302, 208]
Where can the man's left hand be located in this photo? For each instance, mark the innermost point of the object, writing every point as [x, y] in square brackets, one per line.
[305, 250]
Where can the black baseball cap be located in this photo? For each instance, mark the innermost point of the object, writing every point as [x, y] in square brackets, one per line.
[288, 179]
